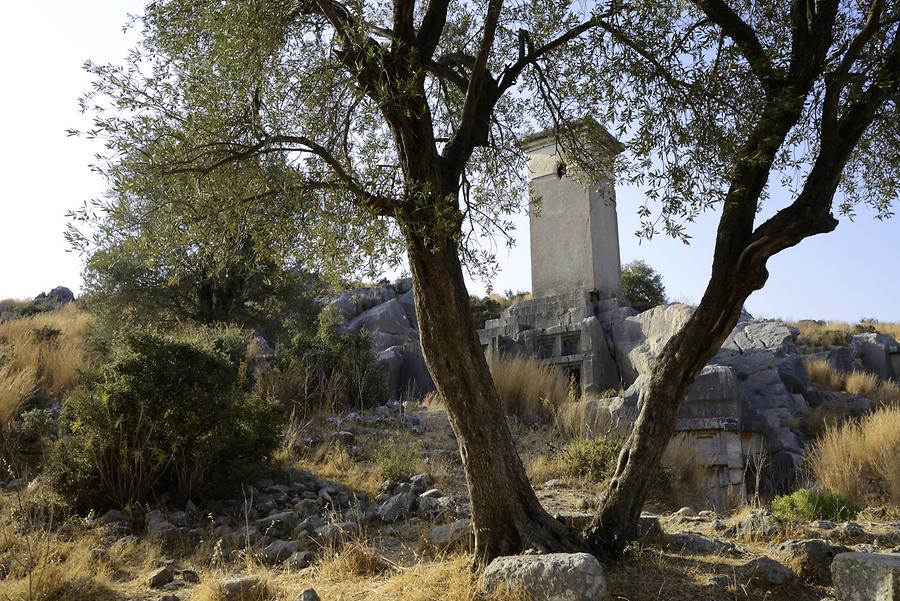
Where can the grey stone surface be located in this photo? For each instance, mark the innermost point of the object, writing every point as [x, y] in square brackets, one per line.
[279, 550]
[876, 352]
[552, 577]
[866, 577]
[691, 542]
[811, 558]
[458, 533]
[299, 560]
[236, 589]
[161, 577]
[309, 594]
[398, 507]
[769, 571]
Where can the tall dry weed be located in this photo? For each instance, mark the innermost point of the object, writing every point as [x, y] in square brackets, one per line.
[42, 355]
[859, 460]
[529, 387]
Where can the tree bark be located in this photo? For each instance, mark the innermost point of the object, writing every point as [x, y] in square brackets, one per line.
[674, 371]
[506, 513]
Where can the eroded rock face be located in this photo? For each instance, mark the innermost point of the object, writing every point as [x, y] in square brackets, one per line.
[552, 577]
[866, 577]
[388, 312]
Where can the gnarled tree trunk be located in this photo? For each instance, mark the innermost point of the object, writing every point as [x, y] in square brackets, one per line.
[506, 513]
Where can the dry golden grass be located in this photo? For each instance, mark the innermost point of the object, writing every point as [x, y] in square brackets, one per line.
[40, 360]
[213, 591]
[335, 463]
[809, 328]
[883, 392]
[687, 473]
[529, 387]
[860, 460]
[823, 375]
[861, 384]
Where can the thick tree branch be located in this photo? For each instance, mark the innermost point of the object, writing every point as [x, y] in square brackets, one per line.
[377, 203]
[432, 26]
[745, 37]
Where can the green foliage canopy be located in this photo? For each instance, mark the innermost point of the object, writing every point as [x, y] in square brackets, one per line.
[642, 285]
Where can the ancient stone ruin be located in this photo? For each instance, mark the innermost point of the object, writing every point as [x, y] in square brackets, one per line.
[741, 415]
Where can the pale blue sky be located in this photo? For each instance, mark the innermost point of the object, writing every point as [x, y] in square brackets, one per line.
[851, 273]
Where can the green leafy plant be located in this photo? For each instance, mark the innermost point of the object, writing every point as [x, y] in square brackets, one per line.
[592, 458]
[397, 456]
[642, 285]
[163, 414]
[804, 505]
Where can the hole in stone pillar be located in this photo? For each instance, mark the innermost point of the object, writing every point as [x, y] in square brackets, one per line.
[560, 170]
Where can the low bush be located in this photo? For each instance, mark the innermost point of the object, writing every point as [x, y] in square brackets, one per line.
[41, 356]
[398, 456]
[591, 458]
[824, 338]
[325, 371]
[860, 460]
[805, 505]
[162, 414]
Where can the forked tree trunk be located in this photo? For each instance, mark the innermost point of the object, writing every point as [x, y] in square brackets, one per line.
[506, 513]
[674, 371]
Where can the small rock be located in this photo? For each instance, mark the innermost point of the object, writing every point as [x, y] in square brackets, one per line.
[170, 598]
[811, 558]
[99, 554]
[554, 483]
[551, 577]
[851, 530]
[279, 550]
[648, 526]
[161, 577]
[309, 594]
[299, 560]
[822, 525]
[698, 543]
[190, 576]
[769, 571]
[685, 512]
[398, 507]
[235, 589]
[449, 535]
[432, 493]
[719, 581]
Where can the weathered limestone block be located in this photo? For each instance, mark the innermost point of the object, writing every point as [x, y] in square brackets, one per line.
[866, 577]
[552, 577]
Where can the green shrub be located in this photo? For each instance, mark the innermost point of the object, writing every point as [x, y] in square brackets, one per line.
[642, 285]
[162, 415]
[326, 370]
[398, 456]
[592, 458]
[805, 505]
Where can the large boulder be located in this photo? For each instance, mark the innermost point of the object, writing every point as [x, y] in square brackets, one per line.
[810, 559]
[866, 577]
[55, 299]
[552, 577]
[388, 313]
[879, 354]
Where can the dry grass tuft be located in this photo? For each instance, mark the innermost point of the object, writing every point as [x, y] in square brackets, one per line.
[811, 330]
[821, 374]
[42, 354]
[860, 461]
[529, 387]
[870, 386]
[354, 558]
[686, 471]
[861, 384]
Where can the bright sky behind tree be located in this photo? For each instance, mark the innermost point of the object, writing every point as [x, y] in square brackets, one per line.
[849, 274]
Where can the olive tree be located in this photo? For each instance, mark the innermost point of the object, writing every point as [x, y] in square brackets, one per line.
[400, 120]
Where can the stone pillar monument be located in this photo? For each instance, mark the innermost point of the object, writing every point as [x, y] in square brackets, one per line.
[575, 232]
